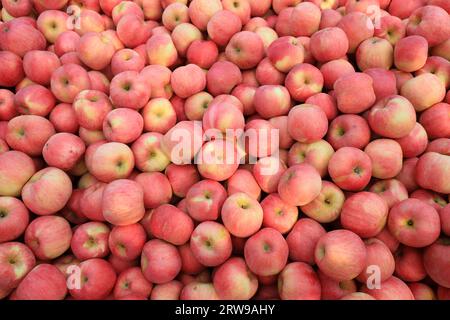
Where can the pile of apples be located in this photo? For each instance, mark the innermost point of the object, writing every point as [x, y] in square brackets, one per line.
[93, 204]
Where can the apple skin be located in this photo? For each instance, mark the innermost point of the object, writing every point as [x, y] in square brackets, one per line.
[354, 92]
[307, 131]
[44, 282]
[213, 195]
[414, 223]
[222, 77]
[341, 254]
[167, 291]
[156, 270]
[436, 129]
[277, 214]
[386, 156]
[391, 289]
[69, 80]
[409, 264]
[15, 170]
[334, 290]
[392, 191]
[436, 261]
[303, 81]
[171, 224]
[64, 118]
[207, 236]
[243, 181]
[245, 49]
[14, 218]
[47, 191]
[353, 175]
[348, 130]
[13, 273]
[439, 164]
[335, 69]
[63, 150]
[426, 22]
[266, 252]
[123, 202]
[358, 296]
[327, 38]
[422, 291]
[97, 280]
[123, 125]
[19, 38]
[298, 281]
[364, 213]
[199, 291]
[302, 240]
[291, 186]
[49, 237]
[432, 86]
[29, 133]
[90, 240]
[233, 280]
[132, 282]
[7, 106]
[378, 254]
[445, 219]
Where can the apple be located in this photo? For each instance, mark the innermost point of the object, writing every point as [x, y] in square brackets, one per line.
[47, 191]
[49, 237]
[266, 252]
[243, 181]
[340, 254]
[97, 280]
[358, 27]
[414, 223]
[155, 269]
[386, 156]
[436, 261]
[375, 53]
[422, 291]
[126, 242]
[171, 224]
[391, 289]
[132, 282]
[148, 153]
[14, 218]
[7, 107]
[44, 282]
[384, 82]
[158, 78]
[128, 90]
[199, 291]
[234, 281]
[432, 87]
[123, 202]
[430, 22]
[222, 77]
[307, 123]
[91, 108]
[268, 172]
[436, 129]
[159, 115]
[439, 164]
[167, 291]
[19, 38]
[303, 81]
[64, 118]
[277, 214]
[16, 168]
[161, 50]
[299, 281]
[245, 49]
[354, 92]
[242, 215]
[392, 191]
[348, 130]
[90, 240]
[378, 255]
[409, 264]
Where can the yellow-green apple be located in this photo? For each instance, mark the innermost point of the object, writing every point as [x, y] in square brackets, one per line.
[16, 168]
[414, 223]
[340, 254]
[90, 240]
[266, 252]
[123, 202]
[97, 280]
[126, 242]
[44, 282]
[155, 269]
[392, 117]
[49, 237]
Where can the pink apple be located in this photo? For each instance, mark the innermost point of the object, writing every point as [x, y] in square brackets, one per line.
[126, 242]
[155, 269]
[302, 240]
[17, 260]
